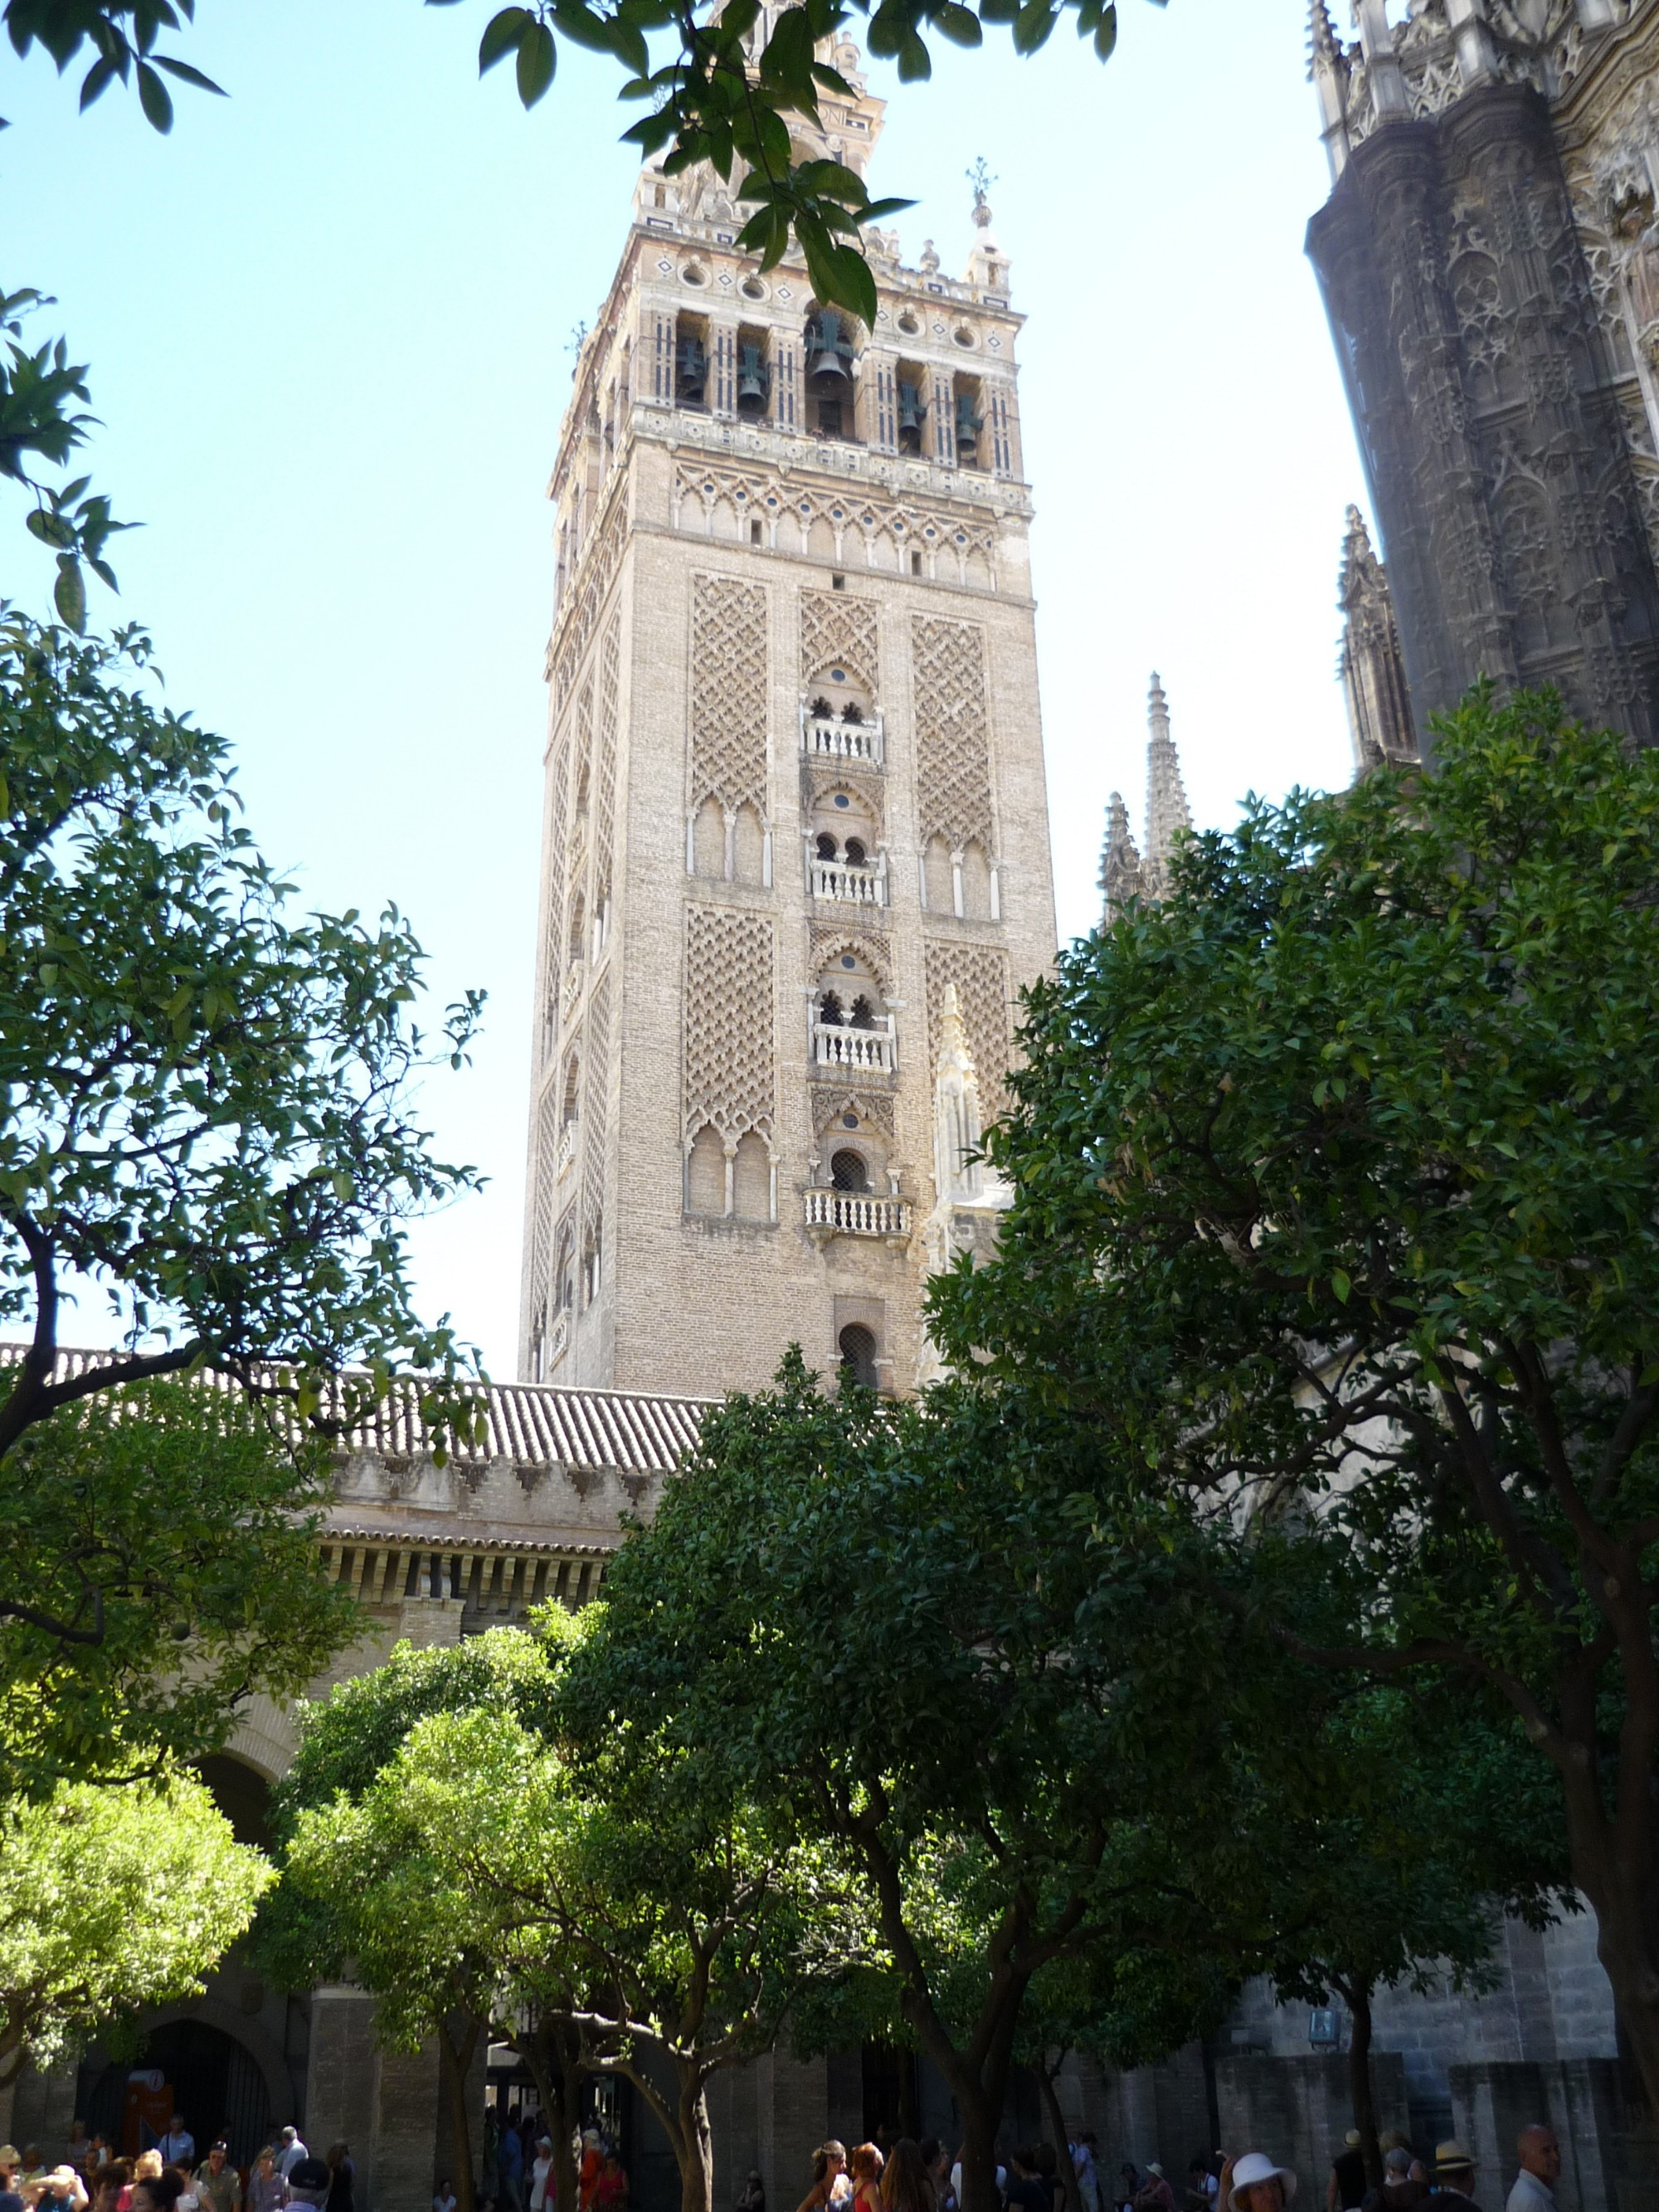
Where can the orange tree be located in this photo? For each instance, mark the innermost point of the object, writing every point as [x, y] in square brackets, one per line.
[1336, 1229]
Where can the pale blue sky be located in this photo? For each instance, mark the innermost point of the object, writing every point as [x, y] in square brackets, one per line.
[328, 321]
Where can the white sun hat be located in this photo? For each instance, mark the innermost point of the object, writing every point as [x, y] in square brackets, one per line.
[1255, 2165]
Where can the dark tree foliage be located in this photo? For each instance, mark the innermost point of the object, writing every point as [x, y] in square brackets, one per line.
[1337, 1224]
[205, 1102]
[158, 1557]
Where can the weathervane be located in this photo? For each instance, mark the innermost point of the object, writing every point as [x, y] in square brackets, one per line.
[980, 178]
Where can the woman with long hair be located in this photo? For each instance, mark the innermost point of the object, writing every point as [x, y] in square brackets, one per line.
[868, 2163]
[829, 2183]
[905, 2186]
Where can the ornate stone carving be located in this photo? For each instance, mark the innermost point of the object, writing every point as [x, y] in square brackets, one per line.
[839, 631]
[828, 1105]
[729, 1065]
[1373, 674]
[604, 812]
[953, 731]
[887, 532]
[979, 973]
[728, 693]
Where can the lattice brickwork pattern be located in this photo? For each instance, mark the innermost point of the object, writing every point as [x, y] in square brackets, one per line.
[558, 836]
[596, 1077]
[979, 973]
[729, 1052]
[604, 811]
[953, 732]
[839, 631]
[828, 1106]
[547, 1147]
[728, 692]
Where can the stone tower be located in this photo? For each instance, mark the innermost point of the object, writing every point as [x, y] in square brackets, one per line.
[795, 797]
[1124, 872]
[1489, 260]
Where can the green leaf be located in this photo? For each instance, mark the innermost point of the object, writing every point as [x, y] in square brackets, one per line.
[1106, 35]
[960, 25]
[502, 35]
[538, 59]
[186, 75]
[1341, 1285]
[155, 99]
[70, 593]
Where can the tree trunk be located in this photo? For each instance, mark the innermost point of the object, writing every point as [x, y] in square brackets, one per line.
[457, 2052]
[1628, 1947]
[553, 2054]
[1057, 2135]
[696, 2149]
[979, 2122]
[1358, 1996]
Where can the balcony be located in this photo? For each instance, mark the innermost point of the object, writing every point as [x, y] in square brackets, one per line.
[853, 886]
[825, 737]
[872, 1051]
[855, 1213]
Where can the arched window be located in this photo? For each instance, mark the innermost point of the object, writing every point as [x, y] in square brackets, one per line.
[705, 1173]
[938, 893]
[572, 1086]
[709, 841]
[863, 1015]
[856, 855]
[858, 1354]
[751, 1179]
[592, 1244]
[830, 1007]
[748, 847]
[975, 882]
[825, 844]
[848, 1172]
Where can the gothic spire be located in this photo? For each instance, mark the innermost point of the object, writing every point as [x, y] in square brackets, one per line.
[1167, 811]
[1121, 877]
[1372, 668]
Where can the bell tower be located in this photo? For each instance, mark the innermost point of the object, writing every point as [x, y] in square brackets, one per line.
[794, 800]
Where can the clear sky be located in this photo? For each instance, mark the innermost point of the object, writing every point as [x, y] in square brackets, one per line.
[329, 321]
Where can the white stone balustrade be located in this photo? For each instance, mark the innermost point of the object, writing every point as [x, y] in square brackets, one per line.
[826, 737]
[853, 886]
[856, 1214]
[871, 1051]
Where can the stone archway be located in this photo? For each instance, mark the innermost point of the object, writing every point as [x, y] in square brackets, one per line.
[224, 2070]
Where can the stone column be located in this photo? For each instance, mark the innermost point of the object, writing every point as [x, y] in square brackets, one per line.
[341, 2075]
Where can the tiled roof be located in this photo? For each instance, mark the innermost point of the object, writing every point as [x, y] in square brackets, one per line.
[531, 1424]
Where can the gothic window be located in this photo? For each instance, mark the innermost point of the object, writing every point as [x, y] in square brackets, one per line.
[564, 1272]
[939, 894]
[592, 1244]
[857, 1346]
[847, 1171]
[830, 1007]
[856, 856]
[751, 1179]
[861, 1015]
[705, 1173]
[824, 845]
[573, 1088]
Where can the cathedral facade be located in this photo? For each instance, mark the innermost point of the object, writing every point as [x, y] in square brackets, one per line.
[1489, 256]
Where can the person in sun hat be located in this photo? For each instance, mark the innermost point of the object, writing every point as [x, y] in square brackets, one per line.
[1254, 2184]
[1454, 2178]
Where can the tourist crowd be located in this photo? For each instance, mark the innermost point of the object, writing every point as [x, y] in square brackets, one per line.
[169, 2177]
[1409, 2182]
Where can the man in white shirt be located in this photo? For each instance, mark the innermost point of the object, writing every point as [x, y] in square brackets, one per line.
[1541, 2168]
[178, 2145]
[290, 2151]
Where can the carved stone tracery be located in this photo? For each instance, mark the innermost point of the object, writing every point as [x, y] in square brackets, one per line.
[979, 973]
[952, 732]
[728, 693]
[729, 1074]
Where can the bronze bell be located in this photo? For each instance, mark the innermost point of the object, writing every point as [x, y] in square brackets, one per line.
[828, 353]
[968, 425]
[752, 381]
[912, 412]
[693, 376]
